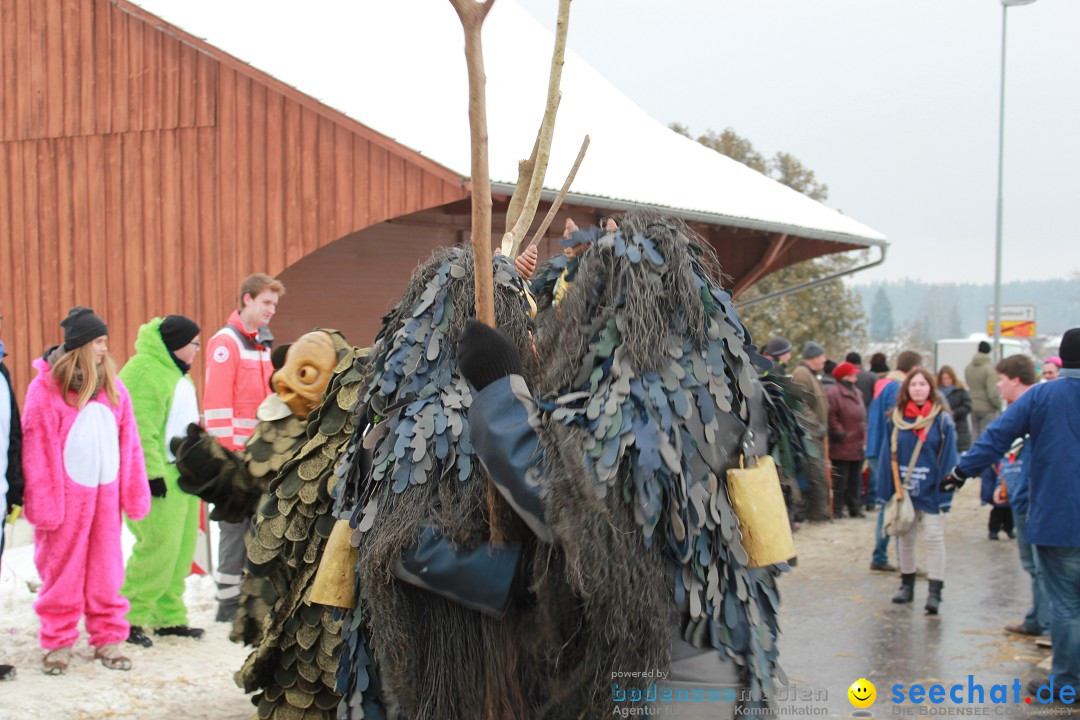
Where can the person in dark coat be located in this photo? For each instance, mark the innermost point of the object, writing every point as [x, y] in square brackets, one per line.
[1001, 516]
[778, 349]
[879, 365]
[864, 379]
[11, 474]
[847, 437]
[956, 392]
[827, 379]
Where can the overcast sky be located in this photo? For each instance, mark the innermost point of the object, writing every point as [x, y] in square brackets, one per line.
[893, 104]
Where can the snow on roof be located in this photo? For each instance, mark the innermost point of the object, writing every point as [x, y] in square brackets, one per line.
[398, 67]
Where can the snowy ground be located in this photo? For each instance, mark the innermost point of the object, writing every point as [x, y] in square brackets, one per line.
[824, 641]
[176, 678]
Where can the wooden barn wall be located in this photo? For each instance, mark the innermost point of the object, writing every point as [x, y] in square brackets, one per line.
[143, 174]
[350, 284]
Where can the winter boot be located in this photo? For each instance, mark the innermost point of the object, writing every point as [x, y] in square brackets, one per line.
[933, 601]
[138, 636]
[180, 631]
[906, 593]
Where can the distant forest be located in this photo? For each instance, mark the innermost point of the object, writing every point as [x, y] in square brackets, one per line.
[951, 310]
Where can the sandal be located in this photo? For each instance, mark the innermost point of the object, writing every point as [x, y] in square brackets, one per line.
[56, 661]
[112, 657]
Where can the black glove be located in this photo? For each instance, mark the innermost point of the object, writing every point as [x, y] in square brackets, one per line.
[193, 435]
[157, 487]
[953, 481]
[199, 458]
[486, 354]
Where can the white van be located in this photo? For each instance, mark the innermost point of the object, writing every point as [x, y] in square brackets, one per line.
[958, 352]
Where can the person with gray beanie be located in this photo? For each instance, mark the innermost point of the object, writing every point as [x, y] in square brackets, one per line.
[814, 417]
[778, 349]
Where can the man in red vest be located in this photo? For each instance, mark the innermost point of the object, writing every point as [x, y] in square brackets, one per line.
[238, 371]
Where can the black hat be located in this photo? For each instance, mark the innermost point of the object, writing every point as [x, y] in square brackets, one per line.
[1070, 349]
[177, 331]
[854, 358]
[777, 346]
[984, 347]
[81, 326]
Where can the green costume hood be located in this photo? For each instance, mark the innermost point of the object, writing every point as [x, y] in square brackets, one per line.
[151, 376]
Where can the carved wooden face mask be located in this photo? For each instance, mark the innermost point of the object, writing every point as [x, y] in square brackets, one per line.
[302, 381]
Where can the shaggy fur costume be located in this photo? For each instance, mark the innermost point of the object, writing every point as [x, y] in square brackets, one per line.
[649, 396]
[409, 650]
[649, 392]
[295, 662]
[83, 468]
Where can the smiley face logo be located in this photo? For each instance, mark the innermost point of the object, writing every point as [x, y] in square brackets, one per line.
[862, 693]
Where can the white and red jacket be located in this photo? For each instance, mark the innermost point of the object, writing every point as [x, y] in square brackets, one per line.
[238, 371]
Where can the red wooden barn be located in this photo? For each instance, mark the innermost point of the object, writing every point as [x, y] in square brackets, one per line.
[145, 171]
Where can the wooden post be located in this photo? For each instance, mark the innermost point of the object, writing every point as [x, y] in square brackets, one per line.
[472, 14]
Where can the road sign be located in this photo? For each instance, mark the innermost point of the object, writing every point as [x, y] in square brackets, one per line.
[1016, 320]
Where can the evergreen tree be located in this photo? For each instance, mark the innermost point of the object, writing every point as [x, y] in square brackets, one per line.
[882, 326]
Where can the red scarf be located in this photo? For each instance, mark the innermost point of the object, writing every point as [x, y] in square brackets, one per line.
[913, 411]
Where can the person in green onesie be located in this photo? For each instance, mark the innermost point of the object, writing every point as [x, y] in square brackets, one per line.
[163, 398]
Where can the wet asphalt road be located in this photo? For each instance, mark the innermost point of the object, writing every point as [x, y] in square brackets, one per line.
[838, 624]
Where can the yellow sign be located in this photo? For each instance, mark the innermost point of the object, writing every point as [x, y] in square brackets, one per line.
[1013, 328]
[862, 693]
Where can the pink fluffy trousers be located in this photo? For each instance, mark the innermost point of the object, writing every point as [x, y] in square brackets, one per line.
[81, 565]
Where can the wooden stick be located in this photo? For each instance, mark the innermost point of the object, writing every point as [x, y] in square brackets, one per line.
[514, 235]
[557, 203]
[517, 199]
[472, 14]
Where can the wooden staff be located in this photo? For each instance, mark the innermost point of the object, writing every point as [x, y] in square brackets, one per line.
[472, 15]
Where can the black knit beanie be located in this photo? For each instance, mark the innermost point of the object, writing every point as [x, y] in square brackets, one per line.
[177, 331]
[1070, 349]
[984, 347]
[82, 326]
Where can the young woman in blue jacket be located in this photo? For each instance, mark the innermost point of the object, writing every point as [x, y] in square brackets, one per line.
[919, 415]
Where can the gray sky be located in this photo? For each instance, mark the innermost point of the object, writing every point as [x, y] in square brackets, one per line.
[893, 104]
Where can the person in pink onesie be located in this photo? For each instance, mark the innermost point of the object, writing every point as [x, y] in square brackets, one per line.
[83, 465]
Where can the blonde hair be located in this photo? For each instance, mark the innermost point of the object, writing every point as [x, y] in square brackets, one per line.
[81, 361]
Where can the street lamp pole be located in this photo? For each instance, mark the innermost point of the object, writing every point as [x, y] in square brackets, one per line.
[1000, 181]
[1001, 178]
